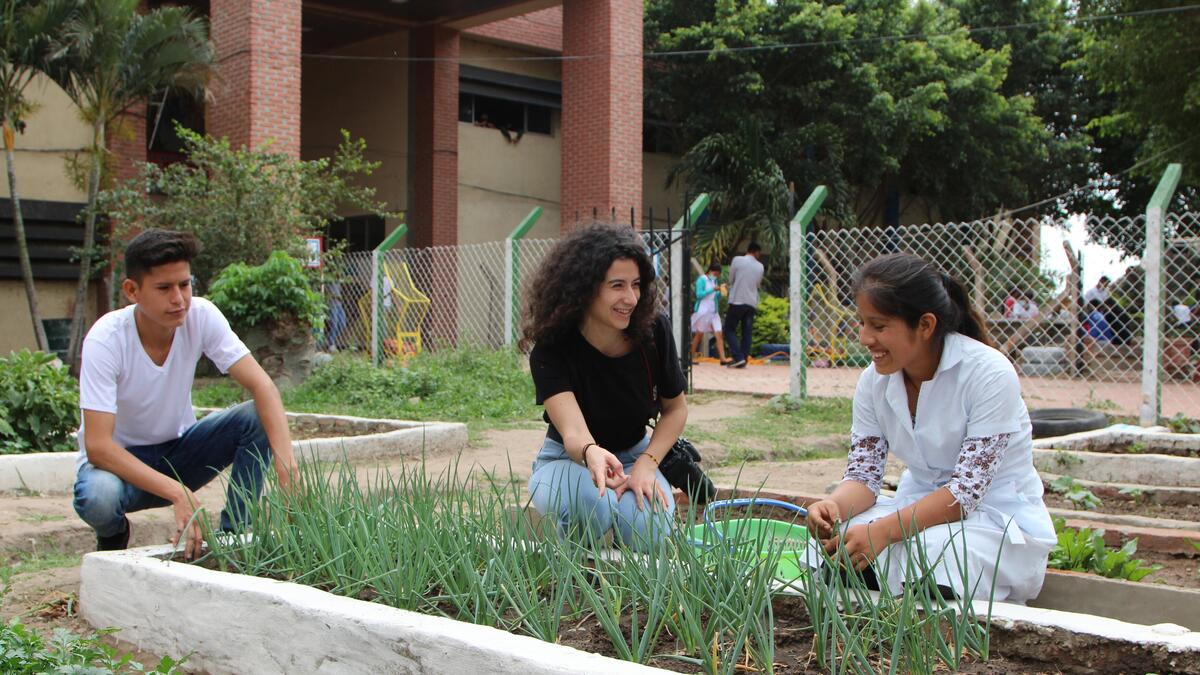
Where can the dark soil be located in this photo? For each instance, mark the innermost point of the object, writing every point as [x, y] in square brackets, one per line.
[1139, 449]
[310, 432]
[1134, 507]
[1179, 571]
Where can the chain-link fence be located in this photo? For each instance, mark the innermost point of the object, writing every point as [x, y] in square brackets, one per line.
[406, 301]
[1073, 346]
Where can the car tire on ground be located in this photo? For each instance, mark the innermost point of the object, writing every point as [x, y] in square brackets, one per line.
[1049, 422]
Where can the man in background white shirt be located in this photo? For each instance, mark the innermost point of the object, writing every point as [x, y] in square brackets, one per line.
[140, 444]
[1099, 292]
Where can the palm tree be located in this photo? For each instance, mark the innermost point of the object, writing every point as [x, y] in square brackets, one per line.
[116, 58]
[27, 35]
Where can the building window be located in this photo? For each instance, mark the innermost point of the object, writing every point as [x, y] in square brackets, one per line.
[163, 143]
[512, 103]
[361, 233]
[499, 113]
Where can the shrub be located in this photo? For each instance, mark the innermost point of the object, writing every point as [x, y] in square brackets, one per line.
[275, 289]
[770, 322]
[39, 404]
[1083, 550]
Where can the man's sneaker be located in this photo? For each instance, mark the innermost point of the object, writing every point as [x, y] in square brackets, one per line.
[740, 363]
[116, 542]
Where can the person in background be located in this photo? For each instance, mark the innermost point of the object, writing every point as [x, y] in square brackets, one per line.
[745, 274]
[1099, 292]
[705, 317]
[937, 395]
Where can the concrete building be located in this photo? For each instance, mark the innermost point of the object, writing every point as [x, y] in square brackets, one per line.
[475, 118]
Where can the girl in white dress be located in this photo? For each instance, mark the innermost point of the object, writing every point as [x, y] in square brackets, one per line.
[940, 398]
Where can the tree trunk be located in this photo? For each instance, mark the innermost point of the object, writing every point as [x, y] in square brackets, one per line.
[89, 242]
[39, 331]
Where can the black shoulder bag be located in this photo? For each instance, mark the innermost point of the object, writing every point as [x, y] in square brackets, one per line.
[681, 465]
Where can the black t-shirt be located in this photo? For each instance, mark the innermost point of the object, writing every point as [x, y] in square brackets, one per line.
[614, 394]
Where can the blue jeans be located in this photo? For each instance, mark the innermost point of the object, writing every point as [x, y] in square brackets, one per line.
[563, 489]
[231, 436]
[739, 317]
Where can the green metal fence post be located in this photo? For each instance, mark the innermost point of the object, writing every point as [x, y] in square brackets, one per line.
[377, 287]
[512, 273]
[798, 291]
[1152, 264]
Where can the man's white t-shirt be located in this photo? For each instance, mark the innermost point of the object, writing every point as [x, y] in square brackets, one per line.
[1095, 293]
[153, 404]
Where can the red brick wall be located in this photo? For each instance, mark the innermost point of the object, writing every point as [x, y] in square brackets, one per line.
[256, 90]
[602, 108]
[542, 29]
[433, 211]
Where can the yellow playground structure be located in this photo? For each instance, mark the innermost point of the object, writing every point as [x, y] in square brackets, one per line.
[402, 310]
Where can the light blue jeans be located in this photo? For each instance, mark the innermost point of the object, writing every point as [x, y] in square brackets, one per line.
[231, 436]
[562, 489]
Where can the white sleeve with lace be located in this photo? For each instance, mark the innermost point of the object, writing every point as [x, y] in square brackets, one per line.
[978, 459]
[868, 457]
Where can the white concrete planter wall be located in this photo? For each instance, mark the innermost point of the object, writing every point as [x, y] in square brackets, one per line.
[232, 623]
[1074, 455]
[55, 471]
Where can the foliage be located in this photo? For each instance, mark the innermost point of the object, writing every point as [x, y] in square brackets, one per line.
[1139, 65]
[466, 385]
[1079, 496]
[242, 204]
[875, 120]
[279, 287]
[1083, 550]
[39, 404]
[1182, 424]
[24, 652]
[451, 546]
[114, 57]
[770, 322]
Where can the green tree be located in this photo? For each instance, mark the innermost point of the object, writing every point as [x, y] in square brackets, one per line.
[925, 120]
[1147, 67]
[28, 32]
[243, 204]
[116, 57]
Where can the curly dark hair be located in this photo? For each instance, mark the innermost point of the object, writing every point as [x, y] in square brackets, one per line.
[570, 278]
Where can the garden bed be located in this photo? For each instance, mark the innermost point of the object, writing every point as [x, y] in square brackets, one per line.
[1132, 507]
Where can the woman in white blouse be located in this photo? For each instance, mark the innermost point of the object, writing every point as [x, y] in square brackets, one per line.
[940, 398]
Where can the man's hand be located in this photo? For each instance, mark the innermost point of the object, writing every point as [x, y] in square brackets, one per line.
[605, 468]
[643, 482]
[190, 534]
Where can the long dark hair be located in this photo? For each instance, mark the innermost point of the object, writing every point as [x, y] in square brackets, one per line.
[905, 286]
[570, 277]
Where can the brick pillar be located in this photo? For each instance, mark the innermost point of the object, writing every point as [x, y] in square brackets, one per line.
[433, 204]
[601, 108]
[256, 90]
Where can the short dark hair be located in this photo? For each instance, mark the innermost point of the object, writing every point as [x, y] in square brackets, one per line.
[715, 267]
[753, 247]
[1103, 280]
[154, 247]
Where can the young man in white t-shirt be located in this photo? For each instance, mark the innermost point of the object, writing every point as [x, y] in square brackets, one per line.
[140, 445]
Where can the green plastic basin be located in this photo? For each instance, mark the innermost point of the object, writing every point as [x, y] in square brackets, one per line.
[758, 535]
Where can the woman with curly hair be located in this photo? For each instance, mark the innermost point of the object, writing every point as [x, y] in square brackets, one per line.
[603, 363]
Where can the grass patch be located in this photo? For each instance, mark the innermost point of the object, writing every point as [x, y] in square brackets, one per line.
[480, 387]
[782, 430]
[41, 518]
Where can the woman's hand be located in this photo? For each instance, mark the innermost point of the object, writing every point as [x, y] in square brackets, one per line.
[823, 518]
[643, 482]
[605, 468]
[863, 543]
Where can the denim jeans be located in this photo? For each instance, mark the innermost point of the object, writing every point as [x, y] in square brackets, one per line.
[739, 317]
[562, 489]
[231, 436]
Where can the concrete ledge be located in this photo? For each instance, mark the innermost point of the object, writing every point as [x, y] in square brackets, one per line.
[38, 472]
[54, 472]
[1155, 440]
[232, 623]
[1131, 601]
[1145, 469]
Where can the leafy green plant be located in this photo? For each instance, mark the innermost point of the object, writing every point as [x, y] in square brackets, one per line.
[1182, 424]
[1079, 496]
[770, 322]
[277, 288]
[1136, 448]
[1066, 459]
[39, 404]
[1134, 493]
[23, 651]
[1083, 550]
